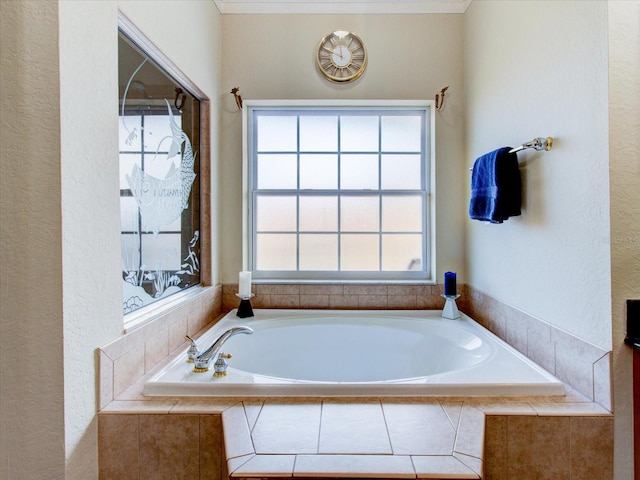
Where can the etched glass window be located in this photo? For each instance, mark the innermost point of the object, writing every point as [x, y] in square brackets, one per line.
[159, 181]
[339, 193]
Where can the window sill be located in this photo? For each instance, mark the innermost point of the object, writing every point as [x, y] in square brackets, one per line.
[289, 281]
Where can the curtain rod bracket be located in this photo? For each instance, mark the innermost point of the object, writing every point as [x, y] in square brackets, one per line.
[440, 98]
[237, 97]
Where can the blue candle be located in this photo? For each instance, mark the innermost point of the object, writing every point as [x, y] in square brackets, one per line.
[450, 288]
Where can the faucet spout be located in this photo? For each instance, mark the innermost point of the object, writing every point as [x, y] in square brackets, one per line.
[203, 360]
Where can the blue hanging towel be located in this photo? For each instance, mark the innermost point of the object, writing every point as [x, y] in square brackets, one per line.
[495, 187]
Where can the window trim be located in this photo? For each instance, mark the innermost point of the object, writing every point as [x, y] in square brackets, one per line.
[342, 277]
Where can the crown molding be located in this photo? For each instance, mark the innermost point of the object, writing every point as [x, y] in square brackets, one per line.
[341, 6]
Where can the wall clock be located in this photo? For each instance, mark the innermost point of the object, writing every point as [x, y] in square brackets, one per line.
[341, 57]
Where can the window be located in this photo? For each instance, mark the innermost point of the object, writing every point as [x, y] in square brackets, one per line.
[339, 192]
[159, 181]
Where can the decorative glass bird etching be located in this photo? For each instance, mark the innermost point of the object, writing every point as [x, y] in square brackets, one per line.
[162, 200]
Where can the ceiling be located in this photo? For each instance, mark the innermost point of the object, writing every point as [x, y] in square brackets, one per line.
[341, 6]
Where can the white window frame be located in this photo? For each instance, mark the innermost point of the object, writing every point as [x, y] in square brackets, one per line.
[423, 276]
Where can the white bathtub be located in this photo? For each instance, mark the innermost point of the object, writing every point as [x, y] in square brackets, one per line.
[356, 352]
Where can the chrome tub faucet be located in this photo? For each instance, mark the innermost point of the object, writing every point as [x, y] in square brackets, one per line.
[203, 360]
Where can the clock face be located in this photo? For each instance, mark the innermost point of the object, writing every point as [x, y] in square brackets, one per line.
[341, 57]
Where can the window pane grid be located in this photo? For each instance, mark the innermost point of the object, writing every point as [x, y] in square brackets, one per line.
[383, 195]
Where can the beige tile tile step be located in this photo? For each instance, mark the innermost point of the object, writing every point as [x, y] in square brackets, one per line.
[373, 438]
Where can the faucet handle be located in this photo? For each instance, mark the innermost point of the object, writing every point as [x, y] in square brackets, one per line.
[220, 365]
[193, 351]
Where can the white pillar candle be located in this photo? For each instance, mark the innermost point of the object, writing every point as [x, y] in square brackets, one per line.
[244, 284]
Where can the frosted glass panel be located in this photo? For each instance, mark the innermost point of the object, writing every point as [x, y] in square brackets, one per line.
[157, 132]
[277, 171]
[360, 252]
[159, 166]
[127, 162]
[359, 134]
[161, 252]
[401, 134]
[401, 172]
[175, 226]
[276, 213]
[359, 214]
[318, 134]
[359, 172]
[130, 252]
[318, 214]
[318, 172]
[276, 251]
[128, 214]
[318, 252]
[402, 213]
[401, 252]
[277, 133]
[130, 133]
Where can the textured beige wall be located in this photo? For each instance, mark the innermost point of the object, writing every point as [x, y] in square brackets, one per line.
[60, 212]
[410, 57]
[576, 246]
[624, 167]
[537, 69]
[31, 367]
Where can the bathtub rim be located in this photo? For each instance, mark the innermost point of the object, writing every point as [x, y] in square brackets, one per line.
[392, 388]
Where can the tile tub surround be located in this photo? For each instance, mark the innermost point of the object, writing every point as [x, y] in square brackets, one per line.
[584, 366]
[338, 296]
[460, 438]
[574, 361]
[128, 358]
[126, 363]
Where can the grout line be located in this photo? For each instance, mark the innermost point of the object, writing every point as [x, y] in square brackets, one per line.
[200, 443]
[257, 416]
[319, 427]
[386, 426]
[447, 414]
[253, 445]
[139, 446]
[457, 429]
[413, 465]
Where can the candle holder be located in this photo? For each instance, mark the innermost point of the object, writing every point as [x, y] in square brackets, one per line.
[244, 309]
[450, 309]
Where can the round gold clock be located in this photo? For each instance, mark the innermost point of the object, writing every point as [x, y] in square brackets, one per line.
[341, 57]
